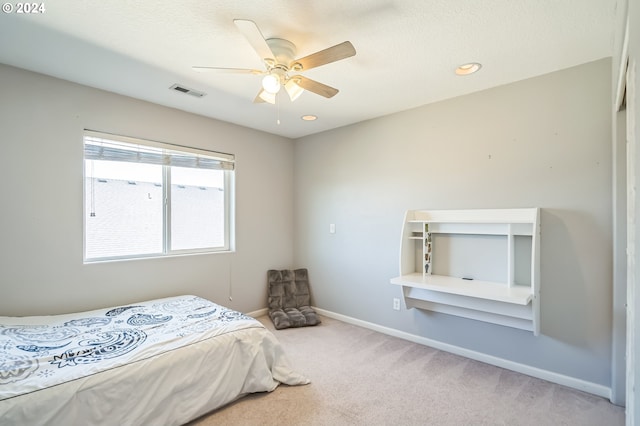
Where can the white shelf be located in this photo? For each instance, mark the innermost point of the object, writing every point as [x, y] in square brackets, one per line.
[505, 303]
[499, 292]
[473, 216]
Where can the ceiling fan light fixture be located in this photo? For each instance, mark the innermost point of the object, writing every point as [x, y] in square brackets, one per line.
[468, 68]
[293, 89]
[267, 97]
[271, 83]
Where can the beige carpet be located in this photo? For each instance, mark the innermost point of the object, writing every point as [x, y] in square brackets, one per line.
[361, 377]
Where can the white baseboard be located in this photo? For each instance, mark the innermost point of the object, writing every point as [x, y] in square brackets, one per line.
[259, 313]
[550, 376]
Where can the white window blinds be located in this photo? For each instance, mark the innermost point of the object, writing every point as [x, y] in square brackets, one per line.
[99, 146]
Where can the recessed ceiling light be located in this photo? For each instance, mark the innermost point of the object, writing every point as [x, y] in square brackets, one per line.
[309, 117]
[470, 68]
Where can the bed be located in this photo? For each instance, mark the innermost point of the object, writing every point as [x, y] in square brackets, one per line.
[164, 362]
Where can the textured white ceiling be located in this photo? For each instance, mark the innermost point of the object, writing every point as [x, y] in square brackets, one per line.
[406, 50]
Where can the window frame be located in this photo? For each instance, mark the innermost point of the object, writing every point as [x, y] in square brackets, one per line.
[228, 199]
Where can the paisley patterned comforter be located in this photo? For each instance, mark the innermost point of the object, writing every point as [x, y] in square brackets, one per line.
[65, 352]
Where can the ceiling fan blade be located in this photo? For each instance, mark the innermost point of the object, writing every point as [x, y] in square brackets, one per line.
[252, 33]
[326, 56]
[228, 70]
[315, 87]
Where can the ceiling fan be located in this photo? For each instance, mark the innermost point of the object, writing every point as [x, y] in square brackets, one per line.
[278, 56]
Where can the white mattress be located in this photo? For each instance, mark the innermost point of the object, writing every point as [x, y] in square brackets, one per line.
[162, 362]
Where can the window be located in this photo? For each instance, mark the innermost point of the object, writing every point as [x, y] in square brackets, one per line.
[145, 199]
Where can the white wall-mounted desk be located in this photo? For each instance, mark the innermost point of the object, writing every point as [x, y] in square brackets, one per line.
[508, 302]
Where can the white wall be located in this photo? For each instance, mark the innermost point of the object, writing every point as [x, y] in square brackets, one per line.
[633, 206]
[619, 202]
[543, 142]
[41, 182]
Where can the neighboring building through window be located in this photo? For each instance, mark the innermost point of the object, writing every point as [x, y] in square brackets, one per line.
[145, 199]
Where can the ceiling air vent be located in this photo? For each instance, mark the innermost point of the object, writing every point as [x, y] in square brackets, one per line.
[183, 89]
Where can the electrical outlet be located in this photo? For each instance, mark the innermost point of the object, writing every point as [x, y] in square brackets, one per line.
[396, 304]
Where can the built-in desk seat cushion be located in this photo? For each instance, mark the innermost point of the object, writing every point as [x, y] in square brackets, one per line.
[290, 299]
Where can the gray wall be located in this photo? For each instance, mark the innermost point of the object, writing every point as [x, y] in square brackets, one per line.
[543, 142]
[41, 183]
